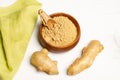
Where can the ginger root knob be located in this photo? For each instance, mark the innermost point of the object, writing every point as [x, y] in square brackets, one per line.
[42, 62]
[86, 60]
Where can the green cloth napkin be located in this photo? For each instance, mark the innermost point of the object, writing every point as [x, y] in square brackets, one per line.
[16, 26]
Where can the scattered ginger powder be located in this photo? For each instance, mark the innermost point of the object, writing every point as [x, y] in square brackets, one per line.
[61, 34]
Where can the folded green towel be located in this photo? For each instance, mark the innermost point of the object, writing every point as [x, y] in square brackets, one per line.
[16, 26]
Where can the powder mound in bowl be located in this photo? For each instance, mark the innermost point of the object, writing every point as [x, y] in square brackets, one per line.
[61, 34]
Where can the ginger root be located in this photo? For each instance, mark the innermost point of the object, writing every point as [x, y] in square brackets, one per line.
[42, 62]
[86, 60]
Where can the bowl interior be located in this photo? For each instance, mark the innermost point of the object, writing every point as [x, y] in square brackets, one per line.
[64, 48]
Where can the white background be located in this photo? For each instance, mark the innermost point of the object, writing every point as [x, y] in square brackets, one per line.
[98, 19]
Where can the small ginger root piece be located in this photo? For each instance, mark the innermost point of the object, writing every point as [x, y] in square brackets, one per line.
[86, 60]
[42, 62]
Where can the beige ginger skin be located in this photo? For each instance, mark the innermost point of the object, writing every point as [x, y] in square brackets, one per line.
[42, 62]
[87, 58]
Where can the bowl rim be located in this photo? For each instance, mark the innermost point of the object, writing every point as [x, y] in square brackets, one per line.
[50, 47]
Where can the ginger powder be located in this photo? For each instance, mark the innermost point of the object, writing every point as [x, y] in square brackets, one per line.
[61, 34]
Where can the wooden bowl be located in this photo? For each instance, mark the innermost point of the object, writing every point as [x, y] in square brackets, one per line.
[65, 48]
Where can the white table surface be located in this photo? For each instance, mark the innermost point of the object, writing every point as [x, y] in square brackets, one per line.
[98, 19]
